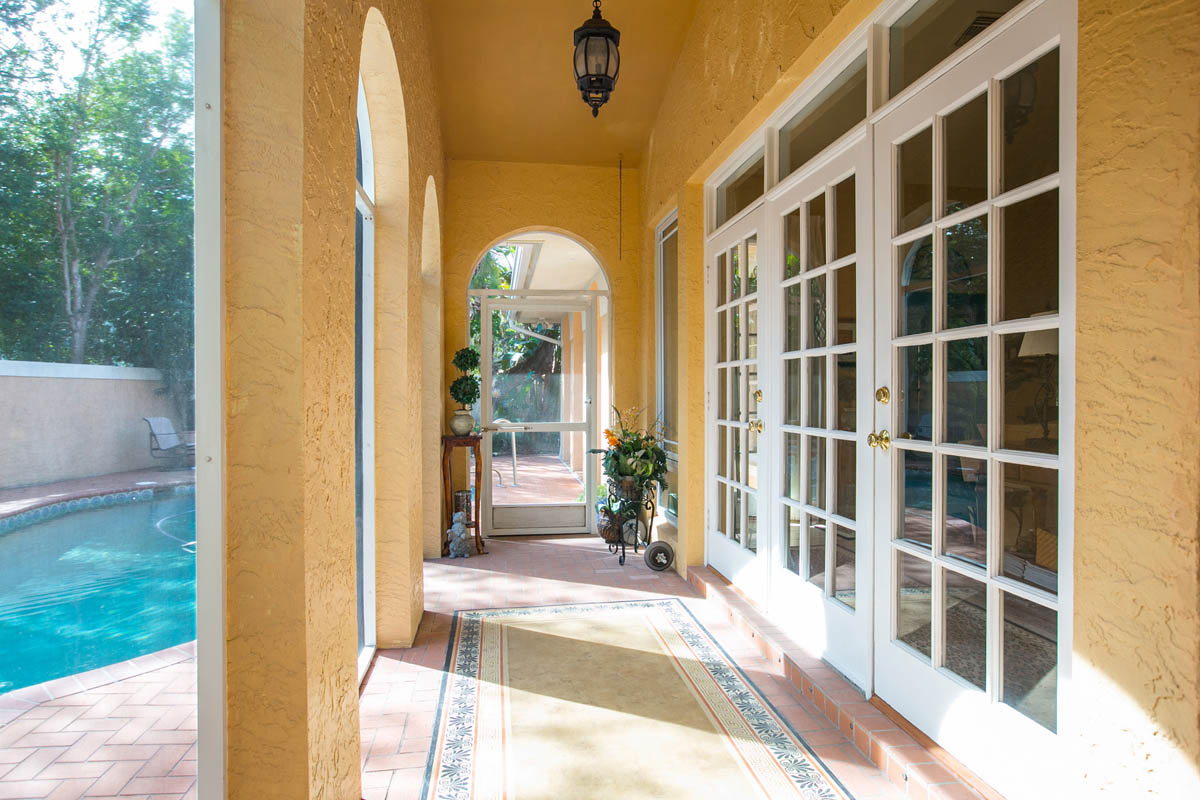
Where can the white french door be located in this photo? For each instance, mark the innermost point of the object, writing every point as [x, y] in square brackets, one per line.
[537, 415]
[819, 395]
[735, 429]
[974, 258]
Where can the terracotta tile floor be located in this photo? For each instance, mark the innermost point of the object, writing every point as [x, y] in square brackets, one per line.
[540, 479]
[135, 738]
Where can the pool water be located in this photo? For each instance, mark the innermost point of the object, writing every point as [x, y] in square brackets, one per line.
[96, 587]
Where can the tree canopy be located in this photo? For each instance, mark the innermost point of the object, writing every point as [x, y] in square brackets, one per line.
[96, 173]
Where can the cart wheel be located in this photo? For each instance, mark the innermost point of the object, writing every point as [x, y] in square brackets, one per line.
[634, 531]
[659, 556]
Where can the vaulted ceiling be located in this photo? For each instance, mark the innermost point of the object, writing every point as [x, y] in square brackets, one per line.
[508, 93]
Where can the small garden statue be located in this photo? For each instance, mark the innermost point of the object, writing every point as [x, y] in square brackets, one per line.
[460, 539]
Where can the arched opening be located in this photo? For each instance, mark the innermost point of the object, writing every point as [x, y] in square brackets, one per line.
[539, 314]
[398, 479]
[433, 371]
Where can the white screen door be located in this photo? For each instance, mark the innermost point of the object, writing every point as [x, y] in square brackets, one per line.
[973, 287]
[537, 415]
[818, 407]
[735, 428]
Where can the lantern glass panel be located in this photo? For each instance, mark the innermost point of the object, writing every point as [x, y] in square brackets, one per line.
[614, 59]
[581, 59]
[597, 55]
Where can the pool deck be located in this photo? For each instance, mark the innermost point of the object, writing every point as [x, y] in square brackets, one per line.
[14, 501]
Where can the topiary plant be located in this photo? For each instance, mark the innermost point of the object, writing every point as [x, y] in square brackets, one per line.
[466, 360]
[465, 390]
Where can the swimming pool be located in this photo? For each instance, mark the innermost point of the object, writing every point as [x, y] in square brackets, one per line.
[94, 587]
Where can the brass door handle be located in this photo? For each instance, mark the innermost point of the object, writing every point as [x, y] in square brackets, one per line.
[882, 440]
[756, 425]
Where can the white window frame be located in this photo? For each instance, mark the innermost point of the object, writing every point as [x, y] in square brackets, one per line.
[670, 223]
[210, 403]
[364, 202]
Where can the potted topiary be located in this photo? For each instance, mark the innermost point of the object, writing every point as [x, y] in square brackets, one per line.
[464, 391]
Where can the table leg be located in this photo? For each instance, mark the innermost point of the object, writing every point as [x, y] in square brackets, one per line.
[478, 499]
[448, 489]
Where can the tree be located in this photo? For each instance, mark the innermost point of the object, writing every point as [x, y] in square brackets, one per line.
[97, 188]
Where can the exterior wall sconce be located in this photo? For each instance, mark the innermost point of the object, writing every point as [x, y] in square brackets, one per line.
[597, 59]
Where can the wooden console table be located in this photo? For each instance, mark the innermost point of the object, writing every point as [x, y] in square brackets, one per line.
[449, 445]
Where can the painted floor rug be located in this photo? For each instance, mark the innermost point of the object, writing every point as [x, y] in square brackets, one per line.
[608, 700]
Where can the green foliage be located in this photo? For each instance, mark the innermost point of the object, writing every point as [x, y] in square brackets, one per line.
[633, 453]
[96, 201]
[466, 360]
[465, 390]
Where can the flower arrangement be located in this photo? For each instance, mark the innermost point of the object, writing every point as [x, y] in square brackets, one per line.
[634, 460]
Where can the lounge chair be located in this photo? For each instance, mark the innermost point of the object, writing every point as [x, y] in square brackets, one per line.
[166, 443]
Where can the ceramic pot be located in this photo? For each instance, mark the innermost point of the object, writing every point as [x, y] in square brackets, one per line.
[461, 422]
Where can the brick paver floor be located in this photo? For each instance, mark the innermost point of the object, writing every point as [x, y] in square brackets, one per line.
[135, 737]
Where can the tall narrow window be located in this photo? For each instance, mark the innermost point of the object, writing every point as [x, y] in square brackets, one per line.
[364, 383]
[668, 357]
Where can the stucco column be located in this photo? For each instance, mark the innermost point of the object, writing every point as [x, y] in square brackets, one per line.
[289, 424]
[689, 380]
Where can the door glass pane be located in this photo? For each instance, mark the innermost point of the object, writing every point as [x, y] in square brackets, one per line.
[735, 394]
[723, 512]
[816, 551]
[722, 280]
[752, 522]
[752, 265]
[751, 387]
[723, 393]
[966, 273]
[816, 232]
[737, 437]
[966, 628]
[816, 392]
[723, 451]
[966, 509]
[816, 312]
[966, 391]
[844, 241]
[847, 310]
[1030, 525]
[914, 603]
[844, 494]
[846, 390]
[816, 471]
[735, 333]
[844, 565]
[722, 336]
[1030, 391]
[1030, 121]
[792, 244]
[751, 459]
[914, 274]
[916, 391]
[740, 189]
[837, 109]
[930, 31]
[752, 329]
[1031, 660]
[792, 467]
[735, 521]
[793, 317]
[915, 501]
[965, 155]
[735, 272]
[914, 170]
[542, 468]
[1029, 257]
[793, 523]
[527, 374]
[792, 414]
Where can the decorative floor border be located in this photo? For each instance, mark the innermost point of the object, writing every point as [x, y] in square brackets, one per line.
[455, 731]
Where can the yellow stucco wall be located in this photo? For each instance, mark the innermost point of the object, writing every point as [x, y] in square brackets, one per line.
[486, 201]
[291, 676]
[1137, 461]
[1134, 716]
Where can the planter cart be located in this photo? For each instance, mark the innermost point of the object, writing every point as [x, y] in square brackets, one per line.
[618, 530]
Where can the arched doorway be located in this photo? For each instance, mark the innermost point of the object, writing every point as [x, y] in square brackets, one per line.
[539, 317]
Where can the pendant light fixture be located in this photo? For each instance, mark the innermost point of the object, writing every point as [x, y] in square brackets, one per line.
[597, 59]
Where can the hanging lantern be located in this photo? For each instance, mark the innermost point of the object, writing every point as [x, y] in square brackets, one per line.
[597, 59]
